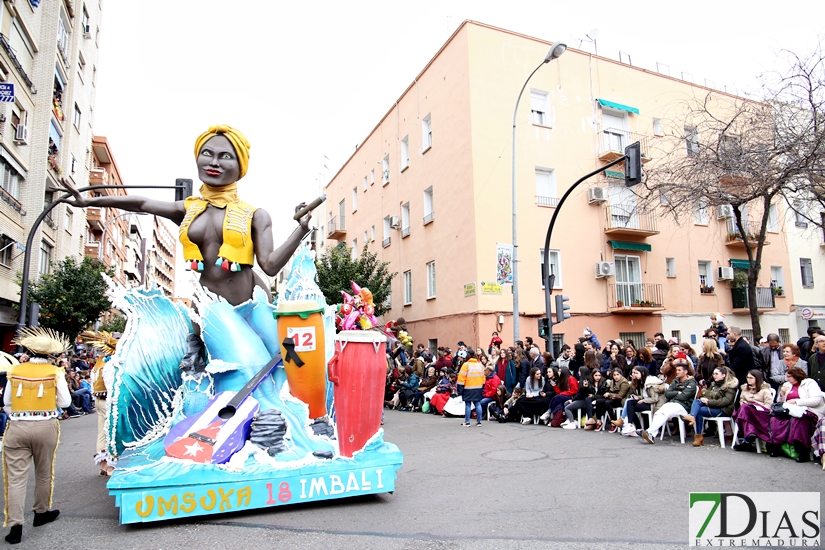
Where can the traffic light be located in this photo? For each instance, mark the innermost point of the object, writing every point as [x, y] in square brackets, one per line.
[562, 307]
[633, 164]
[183, 189]
[544, 327]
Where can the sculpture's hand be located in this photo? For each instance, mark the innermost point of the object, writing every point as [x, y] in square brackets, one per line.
[76, 198]
[304, 221]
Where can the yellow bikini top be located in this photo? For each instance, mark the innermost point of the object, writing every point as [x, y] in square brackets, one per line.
[237, 248]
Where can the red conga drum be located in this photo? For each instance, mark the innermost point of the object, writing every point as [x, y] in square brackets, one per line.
[358, 370]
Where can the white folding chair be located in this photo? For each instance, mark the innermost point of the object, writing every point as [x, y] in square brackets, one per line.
[720, 425]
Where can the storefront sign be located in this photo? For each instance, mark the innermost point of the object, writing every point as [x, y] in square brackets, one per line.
[469, 290]
[809, 313]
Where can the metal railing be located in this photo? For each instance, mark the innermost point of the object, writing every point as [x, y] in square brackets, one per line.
[10, 200]
[336, 225]
[386, 242]
[429, 217]
[735, 233]
[546, 201]
[613, 140]
[764, 298]
[624, 216]
[640, 295]
[4, 41]
[405, 231]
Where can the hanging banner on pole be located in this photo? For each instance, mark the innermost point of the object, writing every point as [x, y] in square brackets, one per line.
[504, 264]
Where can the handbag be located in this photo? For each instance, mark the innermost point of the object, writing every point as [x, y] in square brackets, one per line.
[779, 411]
[790, 451]
[425, 408]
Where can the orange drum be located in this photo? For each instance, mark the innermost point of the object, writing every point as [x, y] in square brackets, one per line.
[303, 321]
[358, 370]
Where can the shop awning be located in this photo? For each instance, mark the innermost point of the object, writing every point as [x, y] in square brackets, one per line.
[740, 264]
[618, 106]
[623, 245]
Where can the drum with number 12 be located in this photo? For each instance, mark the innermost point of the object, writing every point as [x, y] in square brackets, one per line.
[303, 321]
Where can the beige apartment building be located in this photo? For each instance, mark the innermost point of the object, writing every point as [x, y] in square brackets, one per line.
[159, 253]
[112, 235]
[429, 190]
[48, 52]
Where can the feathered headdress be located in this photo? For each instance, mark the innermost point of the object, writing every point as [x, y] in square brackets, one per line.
[42, 341]
[101, 340]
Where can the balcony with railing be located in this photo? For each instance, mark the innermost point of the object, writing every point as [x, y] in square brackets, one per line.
[337, 228]
[386, 242]
[98, 176]
[612, 142]
[633, 298]
[429, 218]
[764, 298]
[9, 199]
[547, 201]
[405, 231]
[622, 219]
[96, 217]
[734, 237]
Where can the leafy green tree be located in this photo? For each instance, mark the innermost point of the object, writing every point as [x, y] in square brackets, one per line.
[72, 296]
[336, 268]
[117, 324]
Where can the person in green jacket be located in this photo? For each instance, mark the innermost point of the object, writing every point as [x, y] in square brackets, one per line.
[679, 395]
[716, 399]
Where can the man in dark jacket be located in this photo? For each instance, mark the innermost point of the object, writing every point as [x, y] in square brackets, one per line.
[806, 343]
[741, 355]
[772, 362]
[679, 395]
[659, 355]
[816, 362]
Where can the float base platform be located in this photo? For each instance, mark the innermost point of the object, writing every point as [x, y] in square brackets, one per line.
[148, 490]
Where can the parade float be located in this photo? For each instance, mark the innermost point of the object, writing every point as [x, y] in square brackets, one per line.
[285, 411]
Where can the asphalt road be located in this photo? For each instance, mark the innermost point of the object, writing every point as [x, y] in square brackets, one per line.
[499, 486]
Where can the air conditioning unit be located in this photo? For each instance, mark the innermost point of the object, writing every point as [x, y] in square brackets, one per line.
[724, 212]
[395, 223]
[596, 194]
[21, 135]
[87, 31]
[605, 269]
[725, 274]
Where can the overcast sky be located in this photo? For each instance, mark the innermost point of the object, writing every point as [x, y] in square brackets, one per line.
[310, 80]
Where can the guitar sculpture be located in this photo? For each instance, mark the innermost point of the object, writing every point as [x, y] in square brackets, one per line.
[213, 435]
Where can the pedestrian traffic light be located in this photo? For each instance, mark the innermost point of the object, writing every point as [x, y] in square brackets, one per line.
[562, 307]
[544, 327]
[183, 189]
[633, 164]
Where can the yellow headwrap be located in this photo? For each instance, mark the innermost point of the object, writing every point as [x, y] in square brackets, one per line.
[235, 137]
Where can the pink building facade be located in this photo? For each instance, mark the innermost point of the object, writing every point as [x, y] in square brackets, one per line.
[429, 190]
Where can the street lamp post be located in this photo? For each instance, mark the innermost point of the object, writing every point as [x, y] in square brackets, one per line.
[555, 52]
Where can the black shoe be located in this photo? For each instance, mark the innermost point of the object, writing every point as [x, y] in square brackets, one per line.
[15, 534]
[46, 517]
[804, 453]
[745, 447]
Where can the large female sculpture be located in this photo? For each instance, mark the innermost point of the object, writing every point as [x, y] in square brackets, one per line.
[220, 234]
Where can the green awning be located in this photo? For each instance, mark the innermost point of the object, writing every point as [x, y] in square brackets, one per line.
[623, 245]
[618, 106]
[740, 264]
[614, 174]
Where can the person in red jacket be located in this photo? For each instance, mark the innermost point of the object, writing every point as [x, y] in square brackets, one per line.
[567, 387]
[491, 383]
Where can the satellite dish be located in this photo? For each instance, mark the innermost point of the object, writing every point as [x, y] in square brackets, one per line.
[593, 34]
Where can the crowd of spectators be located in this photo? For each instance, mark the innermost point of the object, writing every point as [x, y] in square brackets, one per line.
[774, 392]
